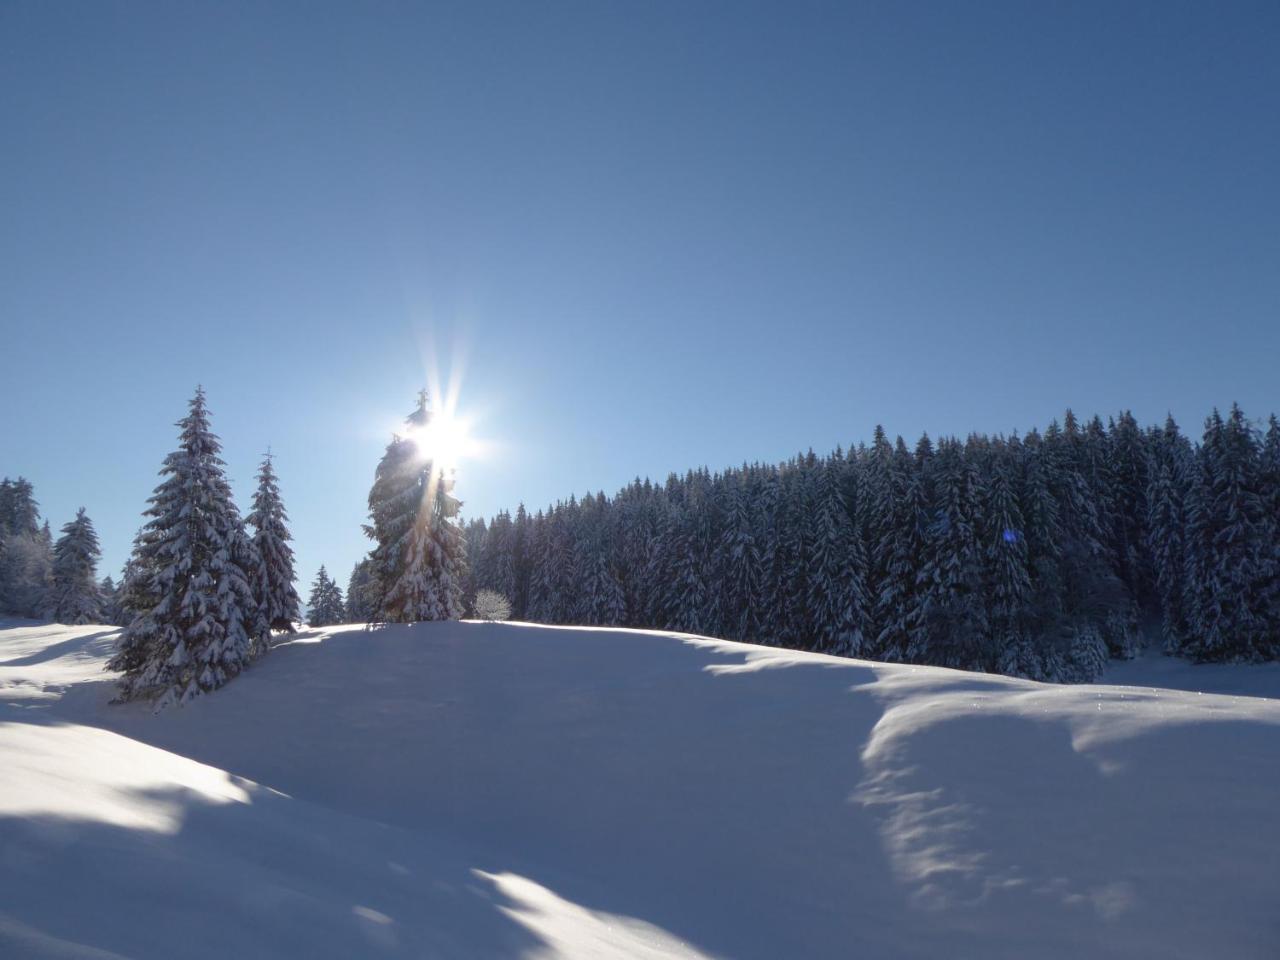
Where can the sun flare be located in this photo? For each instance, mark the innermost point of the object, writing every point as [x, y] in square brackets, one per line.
[446, 441]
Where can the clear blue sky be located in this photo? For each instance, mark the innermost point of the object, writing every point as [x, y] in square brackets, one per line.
[661, 234]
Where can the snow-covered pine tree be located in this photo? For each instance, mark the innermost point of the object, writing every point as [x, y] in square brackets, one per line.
[474, 534]
[1091, 592]
[1231, 569]
[498, 563]
[112, 611]
[838, 598]
[1130, 463]
[520, 563]
[73, 596]
[600, 599]
[26, 550]
[690, 593]
[1046, 621]
[325, 605]
[898, 505]
[419, 559]
[788, 580]
[361, 590]
[1119, 615]
[659, 604]
[537, 589]
[1169, 474]
[191, 637]
[741, 566]
[1269, 480]
[1005, 547]
[272, 576]
[952, 606]
[19, 511]
[636, 529]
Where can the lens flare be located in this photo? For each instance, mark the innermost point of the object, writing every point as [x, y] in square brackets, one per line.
[446, 441]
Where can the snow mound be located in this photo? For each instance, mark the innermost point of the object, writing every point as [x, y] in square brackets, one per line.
[506, 790]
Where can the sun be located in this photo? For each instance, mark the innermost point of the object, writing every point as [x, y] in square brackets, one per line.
[446, 441]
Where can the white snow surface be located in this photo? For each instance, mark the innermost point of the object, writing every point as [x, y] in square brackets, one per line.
[486, 790]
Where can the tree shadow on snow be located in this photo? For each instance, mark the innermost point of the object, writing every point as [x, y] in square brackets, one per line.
[267, 878]
[62, 648]
[639, 776]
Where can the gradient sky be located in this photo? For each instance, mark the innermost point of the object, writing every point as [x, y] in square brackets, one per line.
[641, 236]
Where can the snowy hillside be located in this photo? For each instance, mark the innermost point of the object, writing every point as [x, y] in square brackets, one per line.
[493, 790]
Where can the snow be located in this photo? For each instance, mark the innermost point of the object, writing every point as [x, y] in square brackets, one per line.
[506, 790]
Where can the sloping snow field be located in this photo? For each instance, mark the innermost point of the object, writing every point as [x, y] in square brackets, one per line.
[503, 790]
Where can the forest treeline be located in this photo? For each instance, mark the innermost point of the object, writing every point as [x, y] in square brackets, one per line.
[1040, 555]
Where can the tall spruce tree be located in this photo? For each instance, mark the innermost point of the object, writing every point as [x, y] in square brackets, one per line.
[74, 596]
[192, 631]
[26, 550]
[837, 567]
[272, 575]
[419, 560]
[1169, 474]
[361, 594]
[1230, 554]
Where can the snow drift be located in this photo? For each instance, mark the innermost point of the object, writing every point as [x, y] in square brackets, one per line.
[504, 790]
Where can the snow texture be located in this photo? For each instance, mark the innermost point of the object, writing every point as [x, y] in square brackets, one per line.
[505, 790]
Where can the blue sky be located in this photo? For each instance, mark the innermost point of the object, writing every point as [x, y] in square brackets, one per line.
[641, 237]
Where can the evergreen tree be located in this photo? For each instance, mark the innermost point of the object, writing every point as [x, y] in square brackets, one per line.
[742, 567]
[1169, 475]
[361, 594]
[837, 568]
[272, 574]
[1005, 546]
[73, 596]
[191, 637]
[1231, 569]
[952, 604]
[325, 605]
[419, 559]
[600, 601]
[899, 498]
[112, 611]
[26, 550]
[1269, 481]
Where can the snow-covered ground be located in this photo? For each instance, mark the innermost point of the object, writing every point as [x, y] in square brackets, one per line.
[502, 790]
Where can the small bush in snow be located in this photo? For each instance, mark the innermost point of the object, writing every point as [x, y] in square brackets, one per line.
[491, 605]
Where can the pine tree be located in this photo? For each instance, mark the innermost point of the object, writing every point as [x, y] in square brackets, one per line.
[898, 495]
[73, 595]
[361, 594]
[26, 550]
[419, 559]
[192, 637]
[742, 567]
[520, 534]
[1005, 546]
[498, 566]
[952, 604]
[325, 604]
[1230, 558]
[112, 611]
[1169, 475]
[837, 568]
[600, 599]
[1269, 480]
[272, 574]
